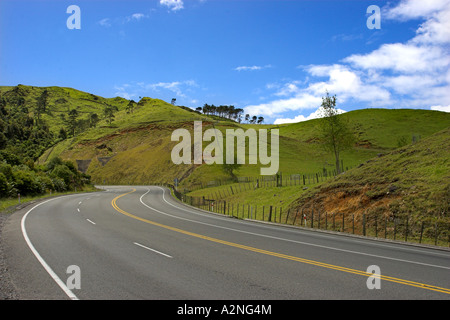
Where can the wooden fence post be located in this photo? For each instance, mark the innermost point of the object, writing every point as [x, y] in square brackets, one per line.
[318, 221]
[295, 218]
[376, 226]
[334, 221]
[364, 224]
[435, 233]
[395, 228]
[353, 226]
[385, 227]
[406, 228]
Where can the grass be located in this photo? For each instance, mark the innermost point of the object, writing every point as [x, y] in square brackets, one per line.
[402, 194]
[141, 151]
[412, 180]
[245, 199]
[7, 204]
[398, 166]
[138, 144]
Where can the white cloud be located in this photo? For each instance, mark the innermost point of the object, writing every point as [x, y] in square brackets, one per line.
[252, 68]
[274, 108]
[441, 108]
[408, 84]
[173, 5]
[134, 90]
[341, 81]
[137, 17]
[121, 91]
[413, 9]
[315, 115]
[177, 87]
[106, 22]
[287, 89]
[435, 30]
[413, 74]
[345, 83]
[403, 58]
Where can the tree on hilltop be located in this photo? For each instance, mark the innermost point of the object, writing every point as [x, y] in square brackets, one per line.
[334, 130]
[108, 113]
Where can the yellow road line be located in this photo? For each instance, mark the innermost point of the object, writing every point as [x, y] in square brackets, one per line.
[280, 255]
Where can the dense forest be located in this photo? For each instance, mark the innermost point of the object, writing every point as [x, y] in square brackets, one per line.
[24, 136]
[34, 119]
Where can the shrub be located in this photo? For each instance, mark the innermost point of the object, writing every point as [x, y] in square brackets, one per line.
[3, 185]
[26, 182]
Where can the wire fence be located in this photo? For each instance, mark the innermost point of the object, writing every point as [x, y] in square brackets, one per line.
[430, 230]
[278, 180]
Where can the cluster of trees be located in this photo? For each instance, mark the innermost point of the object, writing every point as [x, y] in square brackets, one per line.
[75, 124]
[23, 130]
[254, 119]
[28, 179]
[229, 112]
[20, 133]
[24, 136]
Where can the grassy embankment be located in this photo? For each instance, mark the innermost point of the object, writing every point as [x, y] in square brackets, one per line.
[135, 148]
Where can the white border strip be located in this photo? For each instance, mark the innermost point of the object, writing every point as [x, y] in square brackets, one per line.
[156, 251]
[283, 239]
[49, 270]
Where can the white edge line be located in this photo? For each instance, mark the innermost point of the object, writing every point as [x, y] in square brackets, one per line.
[49, 270]
[156, 251]
[284, 239]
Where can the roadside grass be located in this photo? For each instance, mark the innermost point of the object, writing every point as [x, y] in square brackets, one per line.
[413, 179]
[245, 200]
[8, 204]
[139, 143]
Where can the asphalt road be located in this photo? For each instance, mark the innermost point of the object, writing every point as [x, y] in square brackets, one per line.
[140, 243]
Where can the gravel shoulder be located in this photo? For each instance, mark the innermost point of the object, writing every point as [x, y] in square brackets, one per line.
[7, 288]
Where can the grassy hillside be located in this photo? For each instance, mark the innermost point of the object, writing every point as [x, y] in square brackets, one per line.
[403, 194]
[59, 102]
[398, 167]
[136, 146]
[412, 180]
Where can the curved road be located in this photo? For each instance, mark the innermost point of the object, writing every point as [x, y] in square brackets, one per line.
[140, 243]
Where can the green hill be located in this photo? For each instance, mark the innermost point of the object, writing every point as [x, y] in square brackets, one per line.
[398, 167]
[135, 147]
[408, 186]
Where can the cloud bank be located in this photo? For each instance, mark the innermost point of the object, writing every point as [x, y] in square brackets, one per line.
[414, 74]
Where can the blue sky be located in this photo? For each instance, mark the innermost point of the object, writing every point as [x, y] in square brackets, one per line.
[273, 58]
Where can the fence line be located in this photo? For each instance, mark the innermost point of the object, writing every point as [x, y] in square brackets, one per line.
[278, 180]
[401, 227]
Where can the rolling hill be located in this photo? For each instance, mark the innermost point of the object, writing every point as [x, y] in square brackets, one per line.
[135, 148]
[410, 179]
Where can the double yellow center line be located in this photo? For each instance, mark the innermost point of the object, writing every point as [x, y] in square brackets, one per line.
[279, 255]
